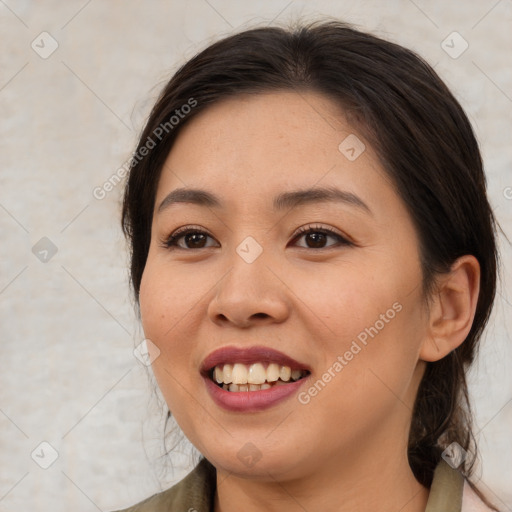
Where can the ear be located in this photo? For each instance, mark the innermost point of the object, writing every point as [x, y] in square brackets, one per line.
[452, 309]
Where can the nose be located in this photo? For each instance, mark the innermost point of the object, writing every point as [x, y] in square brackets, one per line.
[250, 294]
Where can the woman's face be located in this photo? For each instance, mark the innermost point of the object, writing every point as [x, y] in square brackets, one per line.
[346, 306]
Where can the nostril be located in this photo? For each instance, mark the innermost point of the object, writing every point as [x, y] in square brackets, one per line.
[260, 315]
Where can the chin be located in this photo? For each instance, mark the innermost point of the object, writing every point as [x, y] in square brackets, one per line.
[249, 461]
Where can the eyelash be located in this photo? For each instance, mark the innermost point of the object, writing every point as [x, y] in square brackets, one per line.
[171, 241]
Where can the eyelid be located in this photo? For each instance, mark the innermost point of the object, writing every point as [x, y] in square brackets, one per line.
[189, 227]
[318, 227]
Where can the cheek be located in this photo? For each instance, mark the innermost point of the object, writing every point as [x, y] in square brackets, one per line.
[165, 302]
[154, 304]
[346, 299]
[171, 315]
[368, 317]
[160, 310]
[163, 310]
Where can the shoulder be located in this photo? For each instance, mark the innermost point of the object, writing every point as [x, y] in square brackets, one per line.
[194, 492]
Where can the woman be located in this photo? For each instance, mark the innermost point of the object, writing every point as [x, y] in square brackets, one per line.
[313, 254]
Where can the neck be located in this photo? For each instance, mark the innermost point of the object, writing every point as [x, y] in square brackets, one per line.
[377, 477]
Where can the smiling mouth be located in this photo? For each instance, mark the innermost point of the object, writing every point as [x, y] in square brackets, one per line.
[237, 377]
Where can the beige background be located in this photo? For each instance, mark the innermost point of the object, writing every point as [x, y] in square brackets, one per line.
[67, 123]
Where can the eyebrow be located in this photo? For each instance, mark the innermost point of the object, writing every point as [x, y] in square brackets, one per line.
[282, 201]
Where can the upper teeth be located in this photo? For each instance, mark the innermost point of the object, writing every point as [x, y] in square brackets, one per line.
[256, 373]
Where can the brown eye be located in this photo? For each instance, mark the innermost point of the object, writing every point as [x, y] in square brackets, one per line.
[197, 240]
[192, 239]
[316, 237]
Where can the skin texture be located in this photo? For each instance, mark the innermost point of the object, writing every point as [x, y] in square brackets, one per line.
[347, 448]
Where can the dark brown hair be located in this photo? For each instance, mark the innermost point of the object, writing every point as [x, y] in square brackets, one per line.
[424, 141]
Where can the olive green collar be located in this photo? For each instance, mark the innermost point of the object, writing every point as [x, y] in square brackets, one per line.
[446, 489]
[197, 491]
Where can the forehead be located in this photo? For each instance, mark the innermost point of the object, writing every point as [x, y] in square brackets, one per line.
[257, 145]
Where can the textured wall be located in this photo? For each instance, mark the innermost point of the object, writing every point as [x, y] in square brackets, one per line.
[68, 121]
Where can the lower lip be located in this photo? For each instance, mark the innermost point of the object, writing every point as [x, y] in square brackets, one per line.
[248, 401]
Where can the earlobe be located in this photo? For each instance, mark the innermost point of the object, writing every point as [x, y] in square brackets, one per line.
[453, 309]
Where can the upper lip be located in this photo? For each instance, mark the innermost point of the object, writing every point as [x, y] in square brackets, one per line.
[248, 355]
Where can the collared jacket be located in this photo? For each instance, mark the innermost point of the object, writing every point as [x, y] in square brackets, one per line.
[449, 492]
